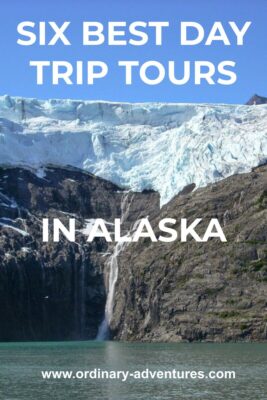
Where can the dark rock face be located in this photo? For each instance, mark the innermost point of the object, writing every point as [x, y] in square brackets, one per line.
[193, 291]
[56, 291]
[255, 100]
[165, 291]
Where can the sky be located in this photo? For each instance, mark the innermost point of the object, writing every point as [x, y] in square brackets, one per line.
[17, 78]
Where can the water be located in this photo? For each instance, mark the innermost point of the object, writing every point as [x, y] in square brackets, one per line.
[21, 365]
[103, 331]
[82, 295]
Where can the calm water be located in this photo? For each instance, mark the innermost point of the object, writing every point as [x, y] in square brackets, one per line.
[21, 366]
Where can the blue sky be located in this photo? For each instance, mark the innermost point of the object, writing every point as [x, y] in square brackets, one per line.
[18, 79]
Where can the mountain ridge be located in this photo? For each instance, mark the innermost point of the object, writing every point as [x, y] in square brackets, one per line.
[257, 100]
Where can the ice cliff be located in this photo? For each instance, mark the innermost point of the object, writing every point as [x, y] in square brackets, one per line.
[142, 146]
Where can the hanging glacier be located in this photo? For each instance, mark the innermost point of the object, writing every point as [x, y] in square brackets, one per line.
[160, 146]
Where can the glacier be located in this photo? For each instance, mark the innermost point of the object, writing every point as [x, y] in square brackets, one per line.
[160, 146]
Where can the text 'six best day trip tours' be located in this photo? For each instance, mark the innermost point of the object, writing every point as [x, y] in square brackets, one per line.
[137, 33]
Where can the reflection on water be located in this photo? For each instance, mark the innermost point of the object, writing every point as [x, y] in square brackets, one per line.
[21, 365]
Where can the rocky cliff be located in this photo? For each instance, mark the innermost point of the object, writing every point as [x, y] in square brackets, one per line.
[257, 100]
[56, 291]
[164, 292]
[200, 291]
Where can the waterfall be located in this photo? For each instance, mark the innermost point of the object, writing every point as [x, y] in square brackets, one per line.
[79, 296]
[82, 291]
[103, 331]
[76, 300]
[44, 297]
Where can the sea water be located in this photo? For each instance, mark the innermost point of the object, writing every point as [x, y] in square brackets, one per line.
[21, 366]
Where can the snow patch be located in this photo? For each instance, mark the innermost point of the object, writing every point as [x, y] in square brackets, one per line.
[22, 232]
